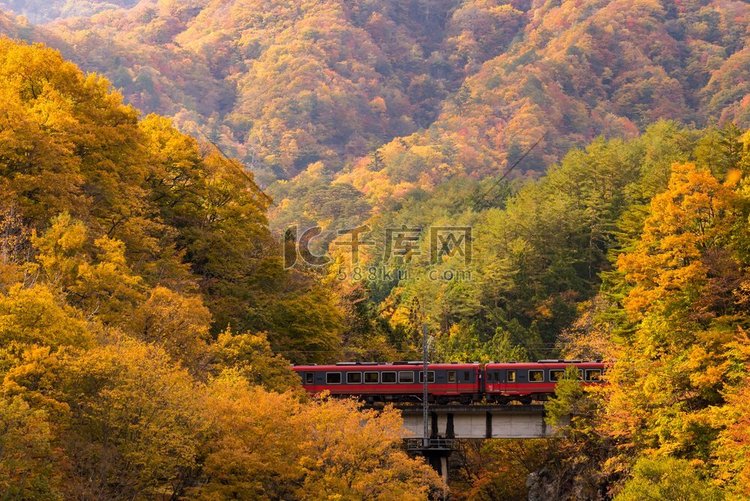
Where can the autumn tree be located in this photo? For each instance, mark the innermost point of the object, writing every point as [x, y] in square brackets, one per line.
[684, 276]
[178, 323]
[27, 468]
[250, 355]
[667, 478]
[268, 445]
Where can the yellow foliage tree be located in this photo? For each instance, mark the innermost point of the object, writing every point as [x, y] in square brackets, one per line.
[94, 276]
[27, 465]
[267, 445]
[693, 216]
[251, 355]
[685, 273]
[178, 323]
[36, 316]
[355, 454]
[127, 421]
[253, 452]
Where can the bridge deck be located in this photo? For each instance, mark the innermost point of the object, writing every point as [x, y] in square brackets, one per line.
[477, 421]
[413, 409]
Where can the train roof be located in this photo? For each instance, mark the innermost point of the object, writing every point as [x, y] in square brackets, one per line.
[554, 364]
[401, 366]
[417, 365]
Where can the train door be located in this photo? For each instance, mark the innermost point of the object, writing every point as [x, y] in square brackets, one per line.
[445, 385]
[469, 380]
[451, 382]
[493, 380]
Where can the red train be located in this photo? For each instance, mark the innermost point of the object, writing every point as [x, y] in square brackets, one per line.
[464, 383]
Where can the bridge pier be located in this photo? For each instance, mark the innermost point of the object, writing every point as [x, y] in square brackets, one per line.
[450, 422]
[436, 451]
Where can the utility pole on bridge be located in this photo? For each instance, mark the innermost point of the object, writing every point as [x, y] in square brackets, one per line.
[425, 388]
[437, 450]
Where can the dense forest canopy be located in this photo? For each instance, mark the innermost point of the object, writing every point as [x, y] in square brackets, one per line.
[596, 150]
[41, 11]
[140, 297]
[468, 84]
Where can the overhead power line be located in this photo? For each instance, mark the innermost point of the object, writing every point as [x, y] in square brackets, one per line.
[510, 169]
[242, 170]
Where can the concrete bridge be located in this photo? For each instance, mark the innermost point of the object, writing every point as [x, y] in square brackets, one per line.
[477, 421]
[450, 422]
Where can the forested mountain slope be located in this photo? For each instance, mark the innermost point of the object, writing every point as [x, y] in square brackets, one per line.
[139, 290]
[153, 205]
[135, 258]
[282, 84]
[582, 69]
[286, 85]
[39, 11]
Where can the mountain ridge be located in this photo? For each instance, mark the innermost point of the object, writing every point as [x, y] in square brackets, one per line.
[393, 96]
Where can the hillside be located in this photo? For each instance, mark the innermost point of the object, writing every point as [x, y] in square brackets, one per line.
[40, 11]
[527, 179]
[139, 289]
[582, 69]
[468, 84]
[335, 92]
[179, 214]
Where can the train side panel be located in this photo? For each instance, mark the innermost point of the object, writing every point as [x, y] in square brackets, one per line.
[384, 380]
[495, 382]
[509, 380]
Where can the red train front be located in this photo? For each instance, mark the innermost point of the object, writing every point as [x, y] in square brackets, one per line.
[396, 382]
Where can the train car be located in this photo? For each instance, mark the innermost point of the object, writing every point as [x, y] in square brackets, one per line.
[395, 382]
[527, 381]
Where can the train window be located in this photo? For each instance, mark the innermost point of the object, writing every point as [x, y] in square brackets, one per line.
[353, 377]
[467, 376]
[536, 376]
[490, 376]
[371, 378]
[388, 377]
[333, 378]
[451, 376]
[511, 376]
[309, 378]
[593, 374]
[406, 377]
[430, 376]
[556, 375]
